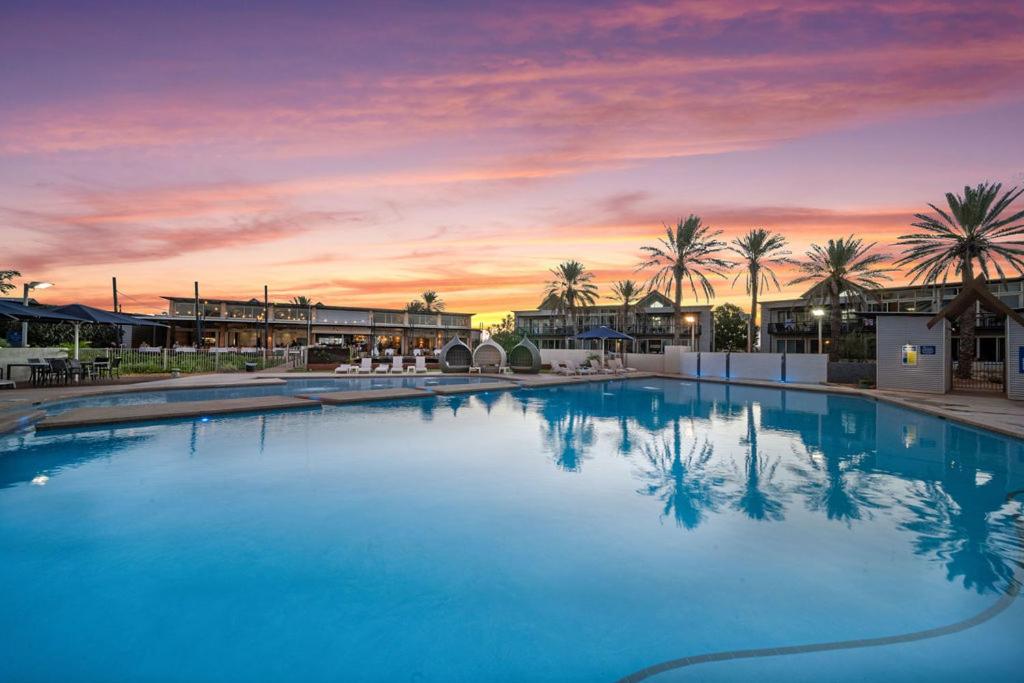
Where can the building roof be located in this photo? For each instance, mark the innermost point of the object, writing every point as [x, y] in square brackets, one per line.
[550, 304]
[975, 291]
[257, 302]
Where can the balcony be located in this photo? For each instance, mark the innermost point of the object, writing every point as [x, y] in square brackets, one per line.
[810, 329]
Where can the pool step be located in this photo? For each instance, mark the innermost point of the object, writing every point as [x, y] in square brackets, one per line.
[449, 389]
[86, 417]
[343, 397]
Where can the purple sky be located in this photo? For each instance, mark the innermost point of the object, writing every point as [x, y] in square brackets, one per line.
[366, 154]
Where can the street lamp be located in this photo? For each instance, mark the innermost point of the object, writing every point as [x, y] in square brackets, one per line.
[818, 313]
[693, 331]
[24, 302]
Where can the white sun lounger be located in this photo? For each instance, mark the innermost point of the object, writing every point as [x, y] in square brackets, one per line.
[366, 365]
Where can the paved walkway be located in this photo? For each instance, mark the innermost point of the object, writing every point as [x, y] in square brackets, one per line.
[994, 413]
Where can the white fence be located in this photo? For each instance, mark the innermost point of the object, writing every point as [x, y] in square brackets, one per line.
[805, 368]
[808, 368]
[647, 362]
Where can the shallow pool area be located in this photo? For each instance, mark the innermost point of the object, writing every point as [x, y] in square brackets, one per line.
[290, 387]
[574, 533]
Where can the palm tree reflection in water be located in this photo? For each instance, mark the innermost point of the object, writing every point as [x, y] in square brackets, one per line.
[568, 432]
[685, 484]
[761, 496]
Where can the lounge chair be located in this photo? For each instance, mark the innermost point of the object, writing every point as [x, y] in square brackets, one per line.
[619, 367]
[560, 368]
[421, 365]
[366, 365]
[344, 369]
[382, 368]
[599, 369]
[396, 365]
[578, 369]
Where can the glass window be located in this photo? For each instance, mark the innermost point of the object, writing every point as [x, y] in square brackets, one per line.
[335, 316]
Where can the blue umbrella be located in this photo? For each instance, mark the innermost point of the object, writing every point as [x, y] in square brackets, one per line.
[604, 333]
[99, 316]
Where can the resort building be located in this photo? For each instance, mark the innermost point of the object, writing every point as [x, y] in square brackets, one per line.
[230, 323]
[649, 321]
[790, 326]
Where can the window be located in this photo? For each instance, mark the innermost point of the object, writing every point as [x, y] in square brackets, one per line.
[334, 316]
[789, 345]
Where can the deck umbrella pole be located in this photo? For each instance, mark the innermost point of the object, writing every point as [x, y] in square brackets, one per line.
[77, 325]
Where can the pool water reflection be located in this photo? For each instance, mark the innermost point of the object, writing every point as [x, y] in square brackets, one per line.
[569, 533]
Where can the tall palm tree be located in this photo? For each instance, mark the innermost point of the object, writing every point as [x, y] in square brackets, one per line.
[973, 230]
[844, 267]
[625, 292]
[432, 301]
[572, 286]
[687, 252]
[301, 300]
[759, 250]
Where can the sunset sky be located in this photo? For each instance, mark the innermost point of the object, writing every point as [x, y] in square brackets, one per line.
[363, 154]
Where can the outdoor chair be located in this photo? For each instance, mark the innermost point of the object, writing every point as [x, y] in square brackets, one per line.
[40, 371]
[78, 371]
[60, 371]
[396, 364]
[597, 368]
[420, 366]
[366, 365]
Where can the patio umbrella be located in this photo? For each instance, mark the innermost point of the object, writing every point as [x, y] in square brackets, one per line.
[604, 333]
[97, 315]
[27, 314]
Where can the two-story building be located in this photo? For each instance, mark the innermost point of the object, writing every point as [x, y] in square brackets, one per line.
[649, 321]
[788, 325]
[252, 324]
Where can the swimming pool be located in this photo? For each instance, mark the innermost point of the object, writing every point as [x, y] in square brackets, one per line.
[577, 533]
[291, 387]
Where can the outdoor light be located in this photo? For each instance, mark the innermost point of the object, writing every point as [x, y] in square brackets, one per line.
[24, 302]
[818, 313]
[693, 331]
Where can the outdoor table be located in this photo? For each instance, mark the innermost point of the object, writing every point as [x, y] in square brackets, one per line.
[34, 367]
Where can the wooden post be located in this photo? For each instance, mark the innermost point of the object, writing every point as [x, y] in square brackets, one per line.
[113, 281]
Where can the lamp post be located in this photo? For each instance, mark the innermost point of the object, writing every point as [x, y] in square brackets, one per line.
[818, 313]
[693, 331]
[24, 302]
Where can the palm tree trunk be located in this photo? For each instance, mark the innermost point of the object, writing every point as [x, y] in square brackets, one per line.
[679, 311]
[965, 354]
[752, 320]
[835, 323]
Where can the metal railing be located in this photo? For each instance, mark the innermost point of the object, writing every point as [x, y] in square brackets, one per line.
[187, 360]
[985, 376]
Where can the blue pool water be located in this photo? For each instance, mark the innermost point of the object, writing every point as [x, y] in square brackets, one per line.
[291, 387]
[579, 533]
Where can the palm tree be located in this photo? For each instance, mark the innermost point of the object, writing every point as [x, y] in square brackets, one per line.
[843, 267]
[759, 249]
[432, 301]
[687, 252]
[572, 287]
[974, 229]
[302, 300]
[625, 292]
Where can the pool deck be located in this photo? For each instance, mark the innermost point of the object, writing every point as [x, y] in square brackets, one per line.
[88, 417]
[995, 413]
[338, 398]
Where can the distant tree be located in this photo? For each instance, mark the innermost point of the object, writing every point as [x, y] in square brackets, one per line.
[844, 267]
[977, 228]
[687, 252]
[5, 280]
[504, 332]
[730, 327]
[302, 301]
[415, 306]
[759, 250]
[572, 286]
[626, 292]
[432, 302]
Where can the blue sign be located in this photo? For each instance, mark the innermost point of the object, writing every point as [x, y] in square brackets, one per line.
[1020, 360]
[927, 350]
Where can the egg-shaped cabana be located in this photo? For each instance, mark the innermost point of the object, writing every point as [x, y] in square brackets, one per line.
[489, 354]
[524, 357]
[456, 356]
